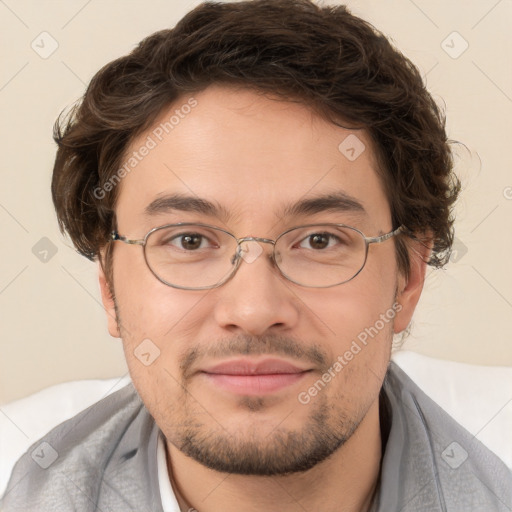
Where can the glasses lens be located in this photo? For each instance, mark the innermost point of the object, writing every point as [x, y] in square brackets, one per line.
[191, 255]
[321, 255]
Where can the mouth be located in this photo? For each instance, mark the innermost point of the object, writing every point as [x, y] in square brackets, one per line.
[249, 377]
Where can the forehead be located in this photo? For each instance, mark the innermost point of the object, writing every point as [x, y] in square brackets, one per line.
[252, 156]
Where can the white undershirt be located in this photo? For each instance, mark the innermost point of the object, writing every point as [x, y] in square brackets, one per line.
[169, 503]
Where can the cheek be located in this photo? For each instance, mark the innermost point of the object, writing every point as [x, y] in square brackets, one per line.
[151, 310]
[145, 304]
[359, 316]
[155, 322]
[354, 306]
[360, 323]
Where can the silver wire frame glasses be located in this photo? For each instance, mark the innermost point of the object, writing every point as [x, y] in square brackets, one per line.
[192, 256]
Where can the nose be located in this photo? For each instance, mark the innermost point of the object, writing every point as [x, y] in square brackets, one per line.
[257, 298]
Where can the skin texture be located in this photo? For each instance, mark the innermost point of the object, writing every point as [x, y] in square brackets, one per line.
[252, 155]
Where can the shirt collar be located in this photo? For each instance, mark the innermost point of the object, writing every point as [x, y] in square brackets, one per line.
[169, 502]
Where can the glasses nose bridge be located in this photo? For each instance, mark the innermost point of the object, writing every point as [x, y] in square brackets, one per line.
[249, 258]
[255, 239]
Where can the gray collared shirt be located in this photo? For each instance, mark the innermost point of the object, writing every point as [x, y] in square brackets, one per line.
[104, 460]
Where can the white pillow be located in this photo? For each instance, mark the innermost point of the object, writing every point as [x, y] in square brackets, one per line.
[478, 397]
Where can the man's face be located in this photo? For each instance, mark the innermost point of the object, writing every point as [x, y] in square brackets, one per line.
[253, 157]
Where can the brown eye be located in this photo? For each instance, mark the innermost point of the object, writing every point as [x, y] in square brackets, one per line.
[188, 241]
[191, 242]
[318, 241]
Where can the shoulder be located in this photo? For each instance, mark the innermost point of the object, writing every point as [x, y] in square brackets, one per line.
[435, 459]
[64, 469]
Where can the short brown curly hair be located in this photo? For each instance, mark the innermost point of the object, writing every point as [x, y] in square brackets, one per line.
[324, 57]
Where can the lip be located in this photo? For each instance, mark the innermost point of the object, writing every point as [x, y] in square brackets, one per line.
[251, 367]
[249, 377]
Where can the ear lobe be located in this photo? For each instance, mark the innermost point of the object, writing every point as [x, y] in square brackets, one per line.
[411, 286]
[108, 303]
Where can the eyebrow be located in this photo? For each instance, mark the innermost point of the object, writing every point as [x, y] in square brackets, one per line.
[333, 202]
[185, 203]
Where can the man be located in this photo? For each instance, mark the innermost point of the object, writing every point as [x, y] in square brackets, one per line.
[263, 187]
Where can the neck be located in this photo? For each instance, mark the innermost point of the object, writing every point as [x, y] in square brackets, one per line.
[344, 482]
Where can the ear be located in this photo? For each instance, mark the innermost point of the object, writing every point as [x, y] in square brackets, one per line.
[108, 303]
[411, 286]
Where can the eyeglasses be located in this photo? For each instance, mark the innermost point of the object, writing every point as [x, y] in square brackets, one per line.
[200, 257]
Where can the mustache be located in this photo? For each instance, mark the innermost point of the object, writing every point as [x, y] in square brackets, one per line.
[271, 345]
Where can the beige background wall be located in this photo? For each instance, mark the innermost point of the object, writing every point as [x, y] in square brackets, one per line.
[52, 324]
